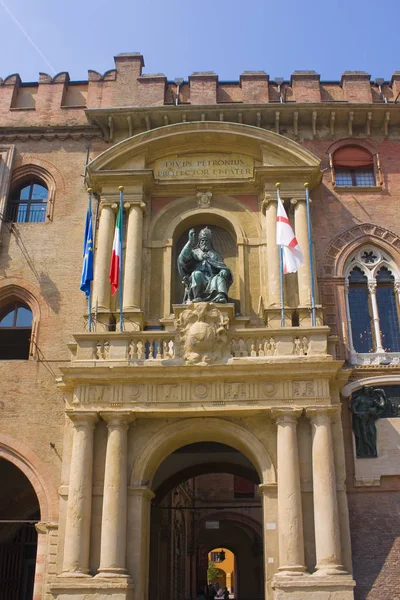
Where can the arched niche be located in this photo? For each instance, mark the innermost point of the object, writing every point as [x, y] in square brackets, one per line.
[224, 241]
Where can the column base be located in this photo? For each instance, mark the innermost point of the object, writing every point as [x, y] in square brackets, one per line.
[76, 574]
[112, 573]
[336, 587]
[291, 571]
[329, 570]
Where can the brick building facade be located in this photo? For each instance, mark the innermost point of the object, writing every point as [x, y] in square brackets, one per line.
[94, 423]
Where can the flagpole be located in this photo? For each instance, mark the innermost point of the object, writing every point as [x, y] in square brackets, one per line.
[310, 249]
[278, 185]
[90, 283]
[121, 208]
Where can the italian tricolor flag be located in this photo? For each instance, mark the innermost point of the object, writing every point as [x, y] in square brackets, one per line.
[116, 254]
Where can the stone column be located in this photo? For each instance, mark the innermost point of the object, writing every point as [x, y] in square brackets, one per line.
[290, 517]
[375, 316]
[301, 232]
[139, 539]
[101, 284]
[272, 252]
[77, 528]
[326, 516]
[133, 257]
[114, 518]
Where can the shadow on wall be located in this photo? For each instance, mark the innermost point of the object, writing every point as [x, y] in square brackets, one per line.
[50, 292]
[375, 535]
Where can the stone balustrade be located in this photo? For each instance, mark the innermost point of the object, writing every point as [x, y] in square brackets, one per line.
[154, 346]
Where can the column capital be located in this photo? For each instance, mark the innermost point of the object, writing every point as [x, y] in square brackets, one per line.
[295, 199]
[321, 414]
[108, 204]
[135, 203]
[372, 287]
[43, 527]
[267, 199]
[267, 488]
[83, 418]
[118, 419]
[141, 490]
[286, 415]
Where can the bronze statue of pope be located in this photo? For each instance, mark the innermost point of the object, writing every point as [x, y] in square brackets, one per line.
[204, 273]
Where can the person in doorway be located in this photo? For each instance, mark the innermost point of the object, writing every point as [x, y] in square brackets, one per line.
[226, 594]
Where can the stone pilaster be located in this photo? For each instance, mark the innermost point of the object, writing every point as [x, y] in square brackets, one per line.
[77, 529]
[139, 539]
[290, 517]
[114, 519]
[326, 515]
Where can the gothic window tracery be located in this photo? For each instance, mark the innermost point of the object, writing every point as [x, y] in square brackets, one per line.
[372, 285]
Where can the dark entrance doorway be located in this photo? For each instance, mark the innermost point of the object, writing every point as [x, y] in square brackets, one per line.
[19, 511]
[206, 497]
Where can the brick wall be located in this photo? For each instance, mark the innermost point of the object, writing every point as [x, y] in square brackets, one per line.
[53, 101]
[375, 538]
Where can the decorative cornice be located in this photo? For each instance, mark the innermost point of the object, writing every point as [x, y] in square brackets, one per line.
[23, 134]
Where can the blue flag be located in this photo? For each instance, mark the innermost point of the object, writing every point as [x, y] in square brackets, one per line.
[87, 269]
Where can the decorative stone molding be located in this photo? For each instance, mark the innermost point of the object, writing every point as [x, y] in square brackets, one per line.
[334, 260]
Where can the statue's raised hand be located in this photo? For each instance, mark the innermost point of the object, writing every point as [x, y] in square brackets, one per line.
[192, 236]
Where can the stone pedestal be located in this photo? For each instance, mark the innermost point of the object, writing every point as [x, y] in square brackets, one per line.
[310, 587]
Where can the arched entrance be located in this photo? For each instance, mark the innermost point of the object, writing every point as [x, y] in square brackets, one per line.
[19, 511]
[206, 494]
[145, 478]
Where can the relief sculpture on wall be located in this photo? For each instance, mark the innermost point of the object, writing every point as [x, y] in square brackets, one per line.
[205, 275]
[203, 336]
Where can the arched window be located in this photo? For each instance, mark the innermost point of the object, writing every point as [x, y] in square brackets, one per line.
[353, 166]
[15, 331]
[372, 299]
[28, 203]
[360, 315]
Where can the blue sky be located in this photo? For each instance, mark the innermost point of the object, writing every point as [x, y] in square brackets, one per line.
[178, 37]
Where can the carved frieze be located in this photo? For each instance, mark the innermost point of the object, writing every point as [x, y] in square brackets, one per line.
[203, 392]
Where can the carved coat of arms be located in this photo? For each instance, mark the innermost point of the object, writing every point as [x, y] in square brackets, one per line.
[202, 334]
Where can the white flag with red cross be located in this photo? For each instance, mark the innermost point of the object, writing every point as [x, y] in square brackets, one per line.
[291, 251]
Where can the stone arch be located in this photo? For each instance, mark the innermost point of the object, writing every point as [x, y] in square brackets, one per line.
[20, 290]
[176, 225]
[377, 380]
[366, 144]
[42, 171]
[209, 429]
[344, 244]
[240, 518]
[269, 148]
[32, 467]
